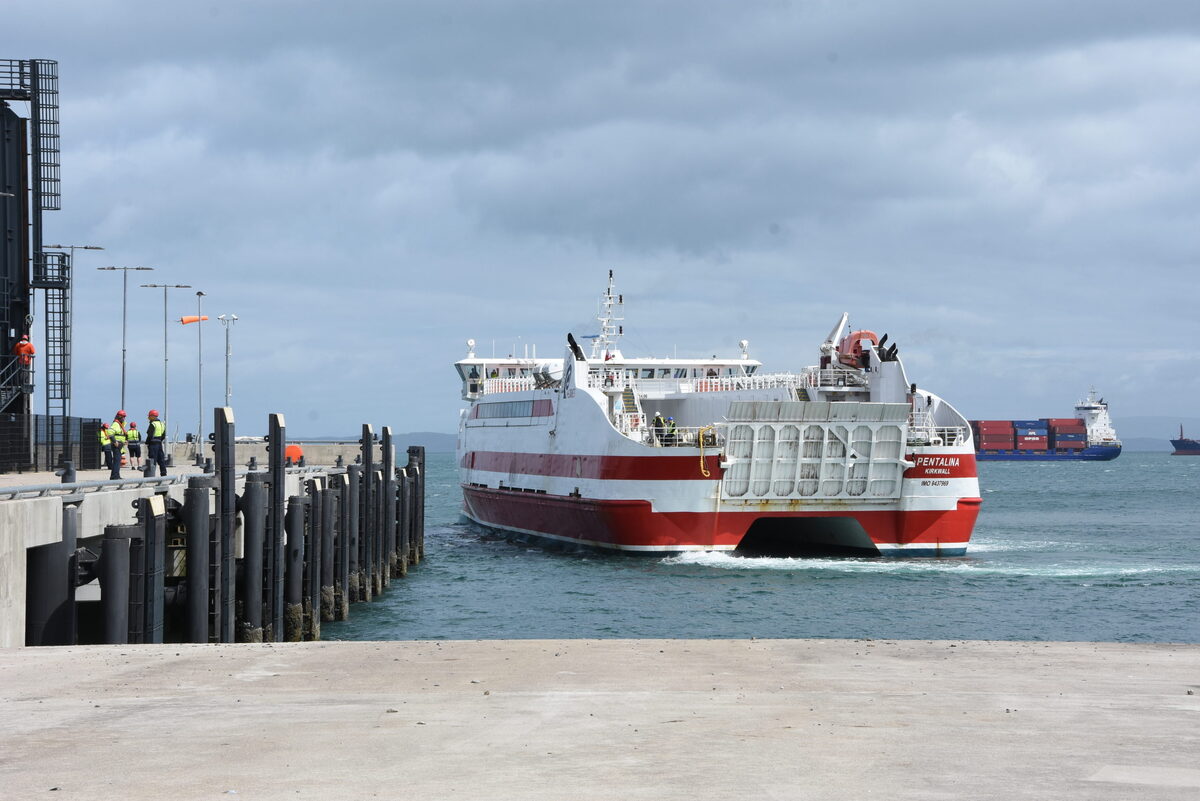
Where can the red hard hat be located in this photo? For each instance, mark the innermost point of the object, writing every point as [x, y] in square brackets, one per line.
[121, 413]
[133, 425]
[152, 413]
[24, 336]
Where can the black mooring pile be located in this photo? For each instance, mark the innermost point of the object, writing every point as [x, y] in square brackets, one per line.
[176, 576]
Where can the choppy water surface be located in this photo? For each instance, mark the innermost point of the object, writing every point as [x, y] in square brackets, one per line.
[1062, 551]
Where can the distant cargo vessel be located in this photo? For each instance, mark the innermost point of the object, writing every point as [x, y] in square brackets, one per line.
[1088, 436]
[1185, 446]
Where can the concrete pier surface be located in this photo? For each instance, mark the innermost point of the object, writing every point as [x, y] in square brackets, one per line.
[607, 719]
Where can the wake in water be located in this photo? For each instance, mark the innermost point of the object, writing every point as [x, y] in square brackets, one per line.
[958, 566]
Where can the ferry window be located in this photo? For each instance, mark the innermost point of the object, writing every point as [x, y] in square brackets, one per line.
[751, 368]
[664, 372]
[512, 372]
[648, 372]
[681, 372]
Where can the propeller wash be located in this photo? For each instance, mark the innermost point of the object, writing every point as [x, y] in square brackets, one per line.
[668, 455]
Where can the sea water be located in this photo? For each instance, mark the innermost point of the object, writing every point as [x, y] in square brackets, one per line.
[1106, 551]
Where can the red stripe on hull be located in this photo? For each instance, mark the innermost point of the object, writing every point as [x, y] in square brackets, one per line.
[633, 523]
[612, 468]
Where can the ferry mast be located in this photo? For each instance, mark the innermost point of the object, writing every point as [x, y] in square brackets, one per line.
[604, 345]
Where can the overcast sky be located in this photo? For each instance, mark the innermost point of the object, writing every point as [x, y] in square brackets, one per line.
[1010, 190]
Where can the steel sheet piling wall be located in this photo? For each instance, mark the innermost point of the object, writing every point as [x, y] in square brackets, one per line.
[389, 504]
[152, 514]
[353, 499]
[312, 563]
[293, 630]
[276, 445]
[223, 428]
[114, 583]
[416, 460]
[327, 558]
[368, 528]
[195, 508]
[341, 592]
[254, 554]
[50, 599]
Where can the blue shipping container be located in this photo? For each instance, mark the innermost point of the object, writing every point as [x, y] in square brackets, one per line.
[1029, 423]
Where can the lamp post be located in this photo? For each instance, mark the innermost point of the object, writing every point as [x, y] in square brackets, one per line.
[124, 315]
[166, 415]
[200, 373]
[227, 320]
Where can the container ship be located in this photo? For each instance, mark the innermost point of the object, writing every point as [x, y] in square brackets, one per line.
[1088, 436]
[1185, 446]
[666, 455]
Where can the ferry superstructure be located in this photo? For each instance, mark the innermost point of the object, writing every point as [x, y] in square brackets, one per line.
[666, 455]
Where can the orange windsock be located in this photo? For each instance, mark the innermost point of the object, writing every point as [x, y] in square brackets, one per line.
[192, 318]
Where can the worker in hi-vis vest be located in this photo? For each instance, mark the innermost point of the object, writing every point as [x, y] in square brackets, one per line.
[156, 435]
[133, 440]
[117, 429]
[112, 458]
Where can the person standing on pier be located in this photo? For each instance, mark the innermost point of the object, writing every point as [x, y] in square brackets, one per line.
[108, 447]
[117, 429]
[133, 438]
[156, 434]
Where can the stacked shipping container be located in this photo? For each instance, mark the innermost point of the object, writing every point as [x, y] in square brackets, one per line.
[1047, 433]
[993, 434]
[1067, 433]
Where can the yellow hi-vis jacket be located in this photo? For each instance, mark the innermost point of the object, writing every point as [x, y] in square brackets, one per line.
[133, 435]
[105, 438]
[118, 431]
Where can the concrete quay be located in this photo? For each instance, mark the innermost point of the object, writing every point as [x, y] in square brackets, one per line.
[608, 719]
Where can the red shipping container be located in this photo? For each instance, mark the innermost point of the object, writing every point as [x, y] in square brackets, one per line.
[1064, 421]
[982, 423]
[1031, 446]
[995, 437]
[1071, 446]
[994, 429]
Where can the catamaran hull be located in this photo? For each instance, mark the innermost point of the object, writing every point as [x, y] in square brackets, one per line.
[633, 525]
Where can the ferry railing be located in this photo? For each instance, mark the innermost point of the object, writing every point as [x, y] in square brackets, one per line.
[637, 428]
[684, 386]
[492, 386]
[829, 377]
[922, 431]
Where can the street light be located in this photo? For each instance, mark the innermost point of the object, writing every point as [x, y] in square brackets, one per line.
[166, 415]
[227, 320]
[124, 314]
[200, 318]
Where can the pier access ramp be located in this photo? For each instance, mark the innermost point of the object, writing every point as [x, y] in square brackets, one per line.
[786, 450]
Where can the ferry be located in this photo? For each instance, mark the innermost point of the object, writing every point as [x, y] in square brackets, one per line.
[669, 455]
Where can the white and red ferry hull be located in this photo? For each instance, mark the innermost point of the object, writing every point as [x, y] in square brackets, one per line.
[602, 490]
